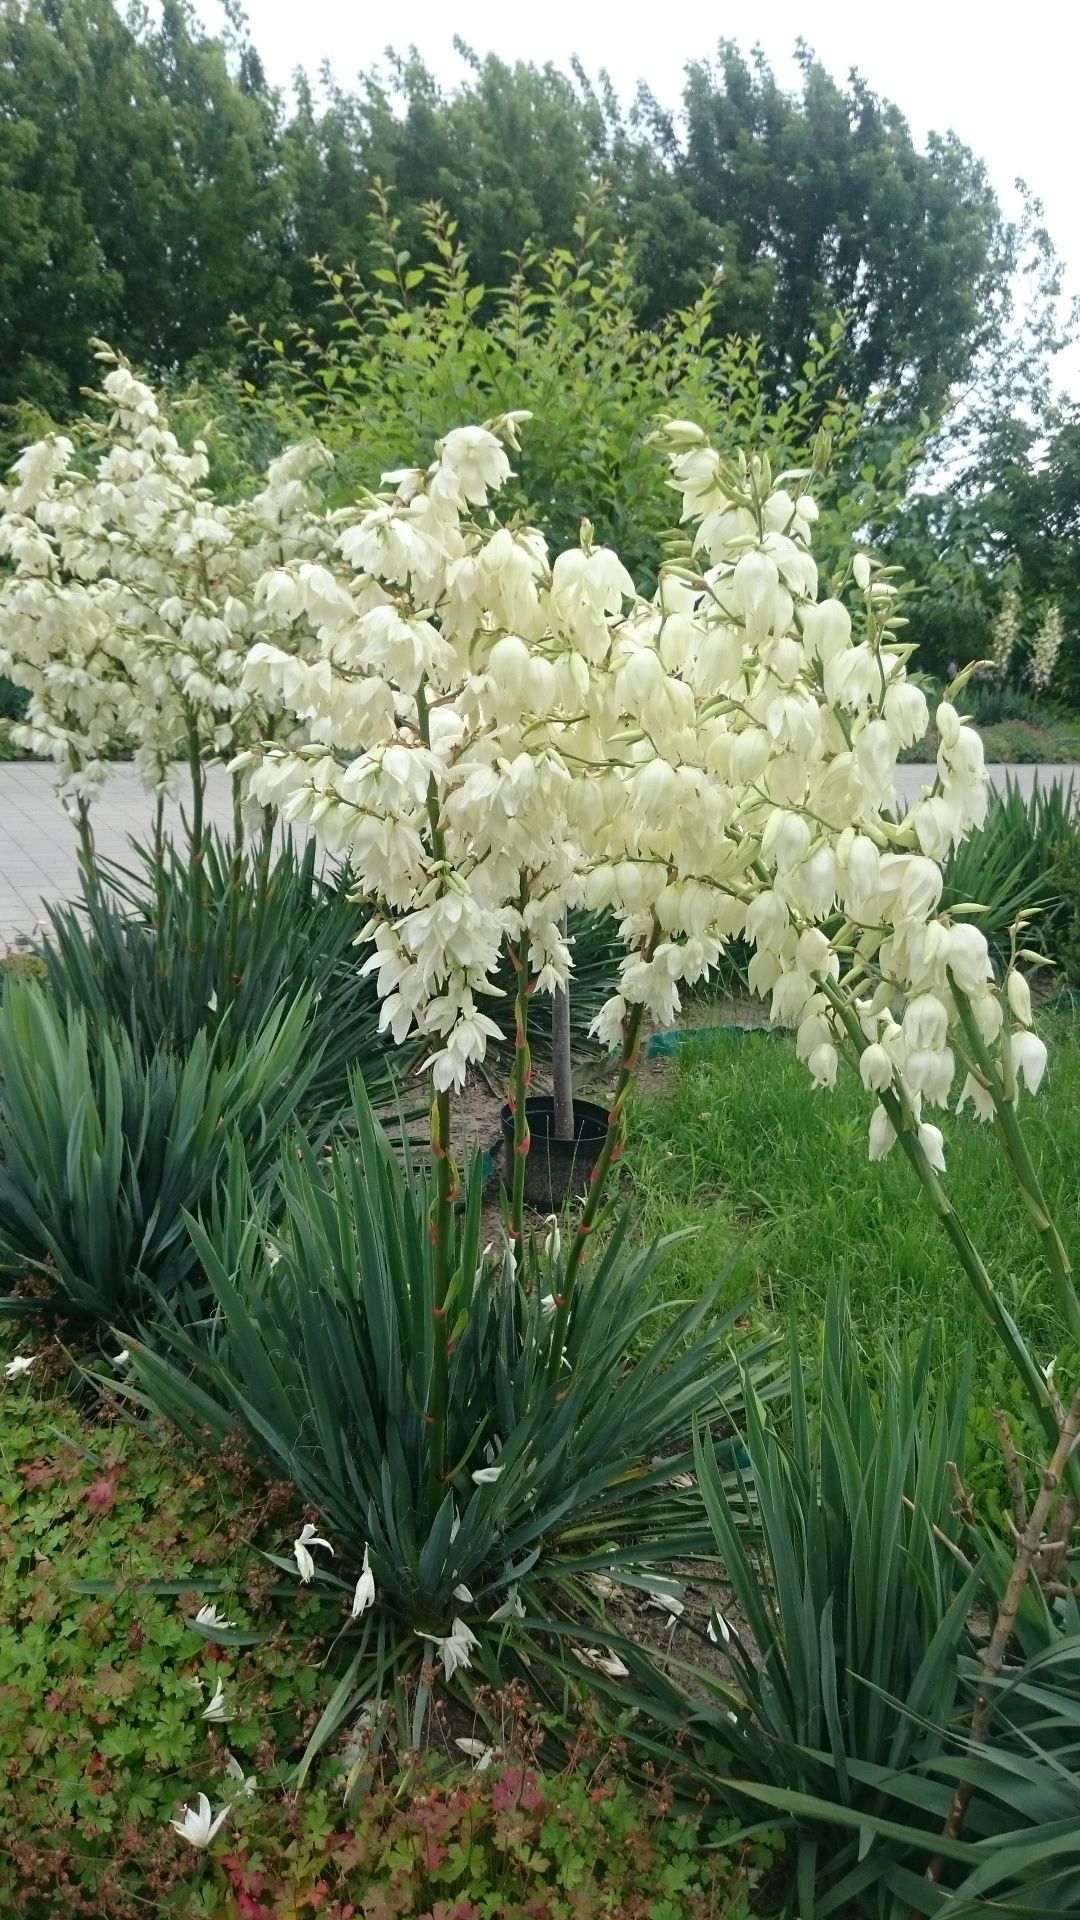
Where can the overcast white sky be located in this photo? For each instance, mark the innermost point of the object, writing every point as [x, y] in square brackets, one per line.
[1003, 77]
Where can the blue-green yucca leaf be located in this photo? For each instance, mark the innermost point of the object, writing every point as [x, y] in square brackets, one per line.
[322, 1352]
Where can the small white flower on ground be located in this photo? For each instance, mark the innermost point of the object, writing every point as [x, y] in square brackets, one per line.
[217, 1710]
[608, 1662]
[477, 1751]
[512, 1608]
[364, 1596]
[198, 1825]
[668, 1603]
[486, 1476]
[210, 1617]
[462, 1593]
[454, 1648]
[718, 1629]
[121, 1359]
[22, 1363]
[306, 1539]
[245, 1781]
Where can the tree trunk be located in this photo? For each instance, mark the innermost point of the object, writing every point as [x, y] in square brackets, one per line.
[561, 1080]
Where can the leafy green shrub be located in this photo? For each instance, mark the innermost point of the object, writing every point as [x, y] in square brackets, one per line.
[415, 347]
[141, 952]
[475, 1496]
[859, 1582]
[1067, 933]
[990, 702]
[104, 1148]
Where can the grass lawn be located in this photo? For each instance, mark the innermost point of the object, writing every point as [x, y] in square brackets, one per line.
[773, 1176]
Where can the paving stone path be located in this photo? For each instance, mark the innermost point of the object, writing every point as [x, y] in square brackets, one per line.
[38, 847]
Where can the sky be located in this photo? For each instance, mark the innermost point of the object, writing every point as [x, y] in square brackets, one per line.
[1002, 77]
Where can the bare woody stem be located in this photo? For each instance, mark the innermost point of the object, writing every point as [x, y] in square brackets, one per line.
[610, 1152]
[562, 1088]
[993, 1654]
[441, 1225]
[196, 835]
[520, 1078]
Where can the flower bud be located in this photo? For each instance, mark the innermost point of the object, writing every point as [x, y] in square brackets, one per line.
[1020, 998]
[969, 958]
[826, 629]
[860, 567]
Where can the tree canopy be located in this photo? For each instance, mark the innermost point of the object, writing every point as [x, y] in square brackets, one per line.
[152, 183]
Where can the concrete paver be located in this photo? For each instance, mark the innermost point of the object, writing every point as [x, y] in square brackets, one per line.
[38, 848]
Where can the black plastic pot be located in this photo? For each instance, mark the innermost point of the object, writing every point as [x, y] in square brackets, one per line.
[555, 1169]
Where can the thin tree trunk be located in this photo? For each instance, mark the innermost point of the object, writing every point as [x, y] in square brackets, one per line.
[561, 1078]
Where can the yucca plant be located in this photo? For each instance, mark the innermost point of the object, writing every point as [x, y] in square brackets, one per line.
[478, 1494]
[104, 1148]
[1011, 865]
[266, 931]
[860, 1590]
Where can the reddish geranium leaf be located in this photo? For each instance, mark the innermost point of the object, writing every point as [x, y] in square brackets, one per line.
[101, 1493]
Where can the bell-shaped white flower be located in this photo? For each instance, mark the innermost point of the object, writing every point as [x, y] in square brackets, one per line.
[882, 1134]
[932, 1142]
[1028, 1055]
[875, 1068]
[823, 1063]
[980, 1097]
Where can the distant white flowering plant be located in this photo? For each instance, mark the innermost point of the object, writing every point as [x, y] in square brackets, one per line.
[128, 607]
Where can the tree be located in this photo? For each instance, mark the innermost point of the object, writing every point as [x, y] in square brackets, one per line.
[808, 202]
[139, 187]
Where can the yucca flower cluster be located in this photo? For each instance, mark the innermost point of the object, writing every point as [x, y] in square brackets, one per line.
[129, 608]
[494, 736]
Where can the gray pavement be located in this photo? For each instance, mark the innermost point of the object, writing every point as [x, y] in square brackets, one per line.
[38, 862]
[39, 845]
